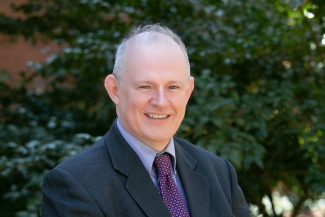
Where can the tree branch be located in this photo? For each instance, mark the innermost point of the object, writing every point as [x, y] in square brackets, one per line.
[301, 201]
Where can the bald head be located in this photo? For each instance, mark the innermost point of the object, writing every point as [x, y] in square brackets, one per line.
[149, 35]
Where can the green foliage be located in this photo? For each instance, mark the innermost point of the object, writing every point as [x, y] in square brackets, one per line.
[258, 99]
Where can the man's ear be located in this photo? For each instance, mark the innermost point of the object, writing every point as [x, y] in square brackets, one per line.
[190, 88]
[112, 87]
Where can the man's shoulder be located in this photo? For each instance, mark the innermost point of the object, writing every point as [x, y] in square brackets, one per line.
[97, 153]
[93, 155]
[205, 162]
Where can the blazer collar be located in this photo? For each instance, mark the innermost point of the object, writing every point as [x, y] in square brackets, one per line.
[138, 183]
[196, 185]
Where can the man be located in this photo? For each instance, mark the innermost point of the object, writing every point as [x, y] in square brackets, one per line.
[138, 168]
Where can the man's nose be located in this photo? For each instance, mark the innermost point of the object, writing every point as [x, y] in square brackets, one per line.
[160, 98]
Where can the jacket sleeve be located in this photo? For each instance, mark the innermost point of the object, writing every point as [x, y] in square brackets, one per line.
[64, 196]
[239, 205]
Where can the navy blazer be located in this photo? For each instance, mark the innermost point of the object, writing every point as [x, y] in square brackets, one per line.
[109, 179]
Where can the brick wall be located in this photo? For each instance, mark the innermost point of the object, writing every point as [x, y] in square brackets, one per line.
[15, 54]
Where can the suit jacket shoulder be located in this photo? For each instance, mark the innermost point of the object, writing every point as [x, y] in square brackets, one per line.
[225, 195]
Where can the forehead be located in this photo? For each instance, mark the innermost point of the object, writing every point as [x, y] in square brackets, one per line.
[152, 40]
[155, 61]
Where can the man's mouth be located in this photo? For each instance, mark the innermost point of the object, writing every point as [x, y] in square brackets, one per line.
[156, 116]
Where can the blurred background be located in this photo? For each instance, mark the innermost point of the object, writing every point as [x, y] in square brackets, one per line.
[259, 69]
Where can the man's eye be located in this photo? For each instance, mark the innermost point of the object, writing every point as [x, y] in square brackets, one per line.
[144, 87]
[173, 87]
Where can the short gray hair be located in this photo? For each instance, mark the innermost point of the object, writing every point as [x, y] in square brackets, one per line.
[155, 31]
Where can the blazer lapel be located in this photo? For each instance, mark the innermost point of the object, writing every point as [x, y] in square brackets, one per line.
[138, 184]
[196, 186]
[144, 192]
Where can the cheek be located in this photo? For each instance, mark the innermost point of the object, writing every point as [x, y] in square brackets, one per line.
[134, 104]
[179, 103]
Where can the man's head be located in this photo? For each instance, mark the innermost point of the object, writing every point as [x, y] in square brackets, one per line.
[150, 84]
[154, 34]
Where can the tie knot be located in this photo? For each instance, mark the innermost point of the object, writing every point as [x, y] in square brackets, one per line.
[163, 164]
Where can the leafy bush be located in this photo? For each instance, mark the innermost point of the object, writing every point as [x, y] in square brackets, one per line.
[258, 99]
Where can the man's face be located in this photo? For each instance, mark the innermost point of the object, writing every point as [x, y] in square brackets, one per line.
[154, 92]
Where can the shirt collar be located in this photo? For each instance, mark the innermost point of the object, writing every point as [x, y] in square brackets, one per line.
[145, 152]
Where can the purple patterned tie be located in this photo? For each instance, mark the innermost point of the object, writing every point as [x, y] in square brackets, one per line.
[167, 187]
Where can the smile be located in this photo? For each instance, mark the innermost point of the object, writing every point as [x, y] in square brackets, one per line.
[156, 116]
